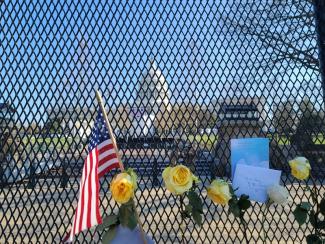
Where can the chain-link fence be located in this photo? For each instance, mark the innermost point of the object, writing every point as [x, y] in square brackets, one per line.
[180, 79]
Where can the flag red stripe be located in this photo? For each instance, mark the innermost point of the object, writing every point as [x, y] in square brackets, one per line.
[105, 148]
[107, 158]
[98, 217]
[82, 197]
[67, 237]
[90, 191]
[87, 212]
[73, 231]
[112, 166]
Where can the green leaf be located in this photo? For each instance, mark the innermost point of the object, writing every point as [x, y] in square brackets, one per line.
[313, 239]
[235, 210]
[127, 216]
[195, 201]
[312, 218]
[233, 201]
[243, 202]
[300, 215]
[123, 215]
[108, 221]
[315, 221]
[244, 196]
[109, 235]
[188, 208]
[129, 203]
[307, 188]
[305, 205]
[233, 206]
[321, 224]
[197, 217]
[129, 171]
[322, 206]
[232, 190]
[185, 214]
[132, 223]
[195, 206]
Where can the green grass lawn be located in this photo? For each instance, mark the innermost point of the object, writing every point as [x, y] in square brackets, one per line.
[281, 140]
[57, 142]
[204, 140]
[319, 140]
[208, 141]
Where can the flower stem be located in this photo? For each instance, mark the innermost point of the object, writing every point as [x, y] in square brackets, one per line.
[182, 217]
[315, 194]
[243, 224]
[143, 237]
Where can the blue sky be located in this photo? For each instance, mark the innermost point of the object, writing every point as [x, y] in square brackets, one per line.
[40, 45]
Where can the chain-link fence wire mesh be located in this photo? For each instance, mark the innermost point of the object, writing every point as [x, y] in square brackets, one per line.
[179, 78]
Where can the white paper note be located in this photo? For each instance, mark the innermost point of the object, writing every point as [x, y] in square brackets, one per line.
[254, 181]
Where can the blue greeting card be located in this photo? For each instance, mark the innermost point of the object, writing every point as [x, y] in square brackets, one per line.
[249, 151]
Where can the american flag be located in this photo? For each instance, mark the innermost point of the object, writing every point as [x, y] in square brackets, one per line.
[101, 159]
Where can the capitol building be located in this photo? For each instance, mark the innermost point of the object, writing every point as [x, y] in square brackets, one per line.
[140, 119]
[152, 92]
[151, 113]
[151, 103]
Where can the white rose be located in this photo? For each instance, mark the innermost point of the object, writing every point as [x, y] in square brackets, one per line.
[278, 194]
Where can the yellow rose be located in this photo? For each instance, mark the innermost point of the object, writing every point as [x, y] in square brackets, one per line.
[134, 177]
[178, 179]
[219, 192]
[122, 188]
[300, 168]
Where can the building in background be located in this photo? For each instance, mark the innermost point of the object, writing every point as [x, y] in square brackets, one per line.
[151, 104]
[152, 113]
[254, 103]
[7, 116]
[8, 132]
[153, 93]
[69, 121]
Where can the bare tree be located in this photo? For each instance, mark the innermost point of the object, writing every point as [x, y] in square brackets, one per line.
[284, 29]
[284, 119]
[311, 122]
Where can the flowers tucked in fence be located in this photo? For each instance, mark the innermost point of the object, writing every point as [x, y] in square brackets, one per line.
[219, 192]
[314, 209]
[180, 181]
[122, 188]
[278, 194]
[238, 207]
[300, 168]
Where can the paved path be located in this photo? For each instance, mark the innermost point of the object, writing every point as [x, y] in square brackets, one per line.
[44, 214]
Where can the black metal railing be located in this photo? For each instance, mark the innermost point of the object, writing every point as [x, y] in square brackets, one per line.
[179, 80]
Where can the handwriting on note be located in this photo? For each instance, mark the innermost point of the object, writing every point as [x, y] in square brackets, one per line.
[254, 181]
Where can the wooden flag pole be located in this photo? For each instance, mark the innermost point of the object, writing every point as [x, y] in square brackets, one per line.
[110, 131]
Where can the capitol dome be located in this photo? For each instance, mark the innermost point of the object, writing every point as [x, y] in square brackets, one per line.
[153, 94]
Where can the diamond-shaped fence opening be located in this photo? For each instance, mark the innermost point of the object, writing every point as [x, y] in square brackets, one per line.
[179, 80]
